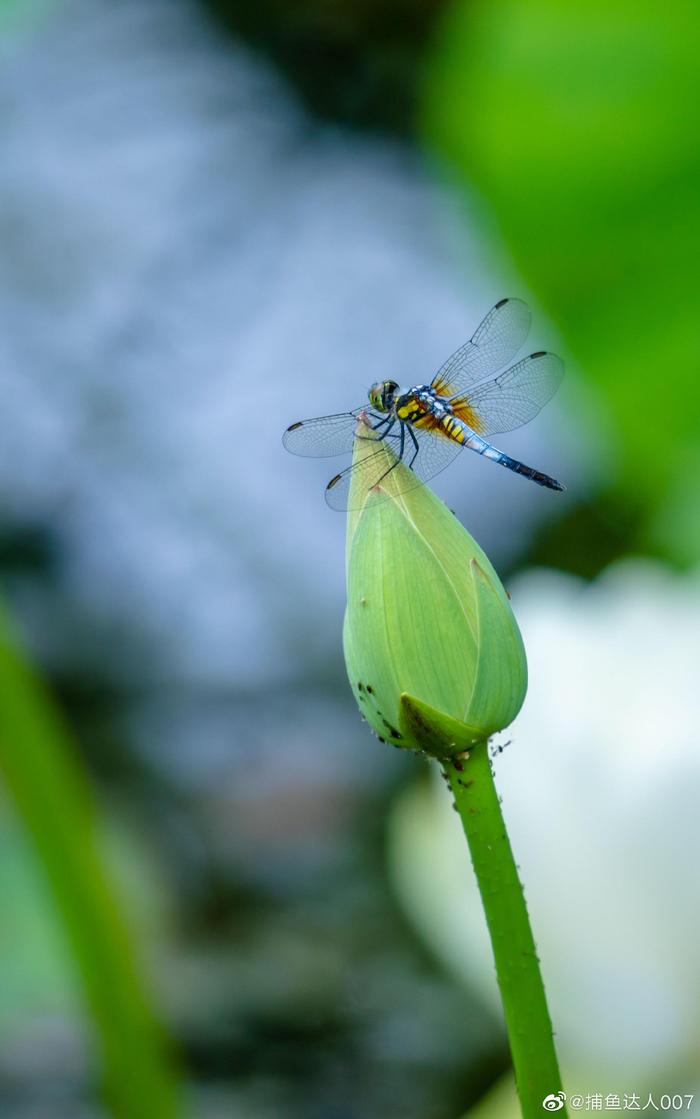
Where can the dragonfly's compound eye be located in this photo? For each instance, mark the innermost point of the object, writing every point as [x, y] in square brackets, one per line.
[381, 395]
[389, 391]
[375, 396]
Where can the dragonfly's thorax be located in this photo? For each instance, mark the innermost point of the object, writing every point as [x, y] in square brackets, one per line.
[414, 404]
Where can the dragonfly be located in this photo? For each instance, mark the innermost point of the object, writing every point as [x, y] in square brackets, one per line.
[425, 427]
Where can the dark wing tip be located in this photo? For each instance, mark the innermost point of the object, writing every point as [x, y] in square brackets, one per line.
[293, 427]
[285, 437]
[539, 353]
[502, 303]
[333, 482]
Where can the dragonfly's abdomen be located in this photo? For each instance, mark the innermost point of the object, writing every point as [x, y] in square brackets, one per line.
[453, 428]
[475, 443]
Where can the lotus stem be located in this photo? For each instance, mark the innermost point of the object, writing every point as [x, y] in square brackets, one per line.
[527, 1018]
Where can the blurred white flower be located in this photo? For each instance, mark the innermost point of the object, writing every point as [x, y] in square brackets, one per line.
[601, 787]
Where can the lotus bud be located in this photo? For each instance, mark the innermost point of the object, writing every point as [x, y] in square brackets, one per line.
[432, 649]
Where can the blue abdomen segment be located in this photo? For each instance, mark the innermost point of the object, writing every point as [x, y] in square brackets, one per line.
[476, 443]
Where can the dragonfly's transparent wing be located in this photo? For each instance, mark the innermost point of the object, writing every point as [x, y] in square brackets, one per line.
[379, 467]
[322, 437]
[514, 397]
[496, 340]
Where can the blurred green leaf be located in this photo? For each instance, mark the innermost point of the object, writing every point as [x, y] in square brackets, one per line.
[579, 123]
[50, 794]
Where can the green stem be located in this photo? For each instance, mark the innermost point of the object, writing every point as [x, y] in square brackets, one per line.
[517, 966]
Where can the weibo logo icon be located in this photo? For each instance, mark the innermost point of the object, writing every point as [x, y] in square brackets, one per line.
[554, 1101]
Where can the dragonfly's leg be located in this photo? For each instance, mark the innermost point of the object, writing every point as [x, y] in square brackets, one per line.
[398, 457]
[403, 440]
[412, 433]
[375, 427]
[385, 433]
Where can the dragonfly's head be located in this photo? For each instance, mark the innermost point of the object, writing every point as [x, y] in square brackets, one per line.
[382, 395]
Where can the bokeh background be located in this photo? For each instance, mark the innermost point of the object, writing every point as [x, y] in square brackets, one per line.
[220, 896]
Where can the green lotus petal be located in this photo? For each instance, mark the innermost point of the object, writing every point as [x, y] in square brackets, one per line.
[501, 679]
[426, 617]
[439, 734]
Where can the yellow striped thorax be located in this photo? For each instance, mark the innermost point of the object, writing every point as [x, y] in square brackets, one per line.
[422, 405]
[412, 406]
